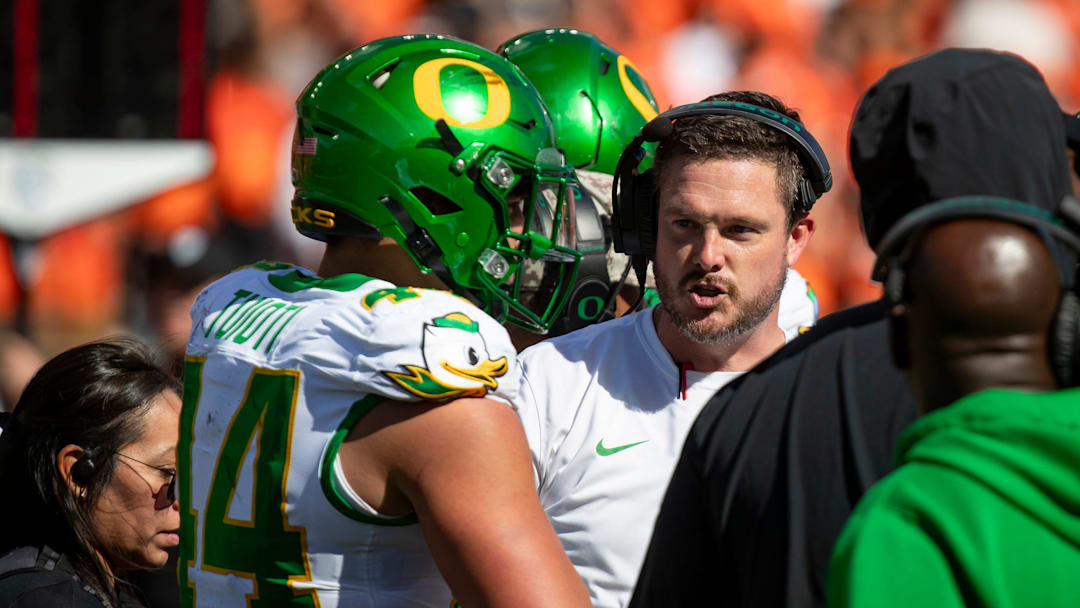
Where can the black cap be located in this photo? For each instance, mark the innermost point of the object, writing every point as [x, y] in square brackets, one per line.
[953, 123]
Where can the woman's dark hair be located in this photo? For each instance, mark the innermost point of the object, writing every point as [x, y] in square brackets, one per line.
[95, 396]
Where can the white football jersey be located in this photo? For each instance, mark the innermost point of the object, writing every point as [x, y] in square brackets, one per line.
[606, 411]
[280, 365]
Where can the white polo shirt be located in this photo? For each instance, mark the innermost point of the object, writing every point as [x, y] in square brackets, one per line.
[606, 411]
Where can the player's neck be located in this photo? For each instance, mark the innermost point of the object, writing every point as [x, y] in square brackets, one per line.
[382, 259]
[738, 354]
[939, 381]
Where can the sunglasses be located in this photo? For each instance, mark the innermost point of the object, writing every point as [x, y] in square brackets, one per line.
[170, 493]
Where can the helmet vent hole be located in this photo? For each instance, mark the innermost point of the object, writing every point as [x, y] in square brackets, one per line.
[379, 77]
[605, 65]
[436, 203]
[322, 130]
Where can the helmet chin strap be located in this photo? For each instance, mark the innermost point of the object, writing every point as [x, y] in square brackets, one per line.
[419, 242]
[449, 139]
[609, 307]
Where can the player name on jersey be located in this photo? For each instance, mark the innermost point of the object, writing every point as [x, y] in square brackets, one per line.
[250, 312]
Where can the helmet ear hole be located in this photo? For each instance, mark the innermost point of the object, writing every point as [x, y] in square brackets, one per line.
[436, 203]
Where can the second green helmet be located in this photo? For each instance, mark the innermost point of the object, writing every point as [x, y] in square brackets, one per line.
[597, 99]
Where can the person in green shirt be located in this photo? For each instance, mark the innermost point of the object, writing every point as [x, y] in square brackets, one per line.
[984, 506]
[982, 510]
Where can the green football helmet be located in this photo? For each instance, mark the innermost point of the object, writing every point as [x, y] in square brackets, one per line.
[597, 99]
[445, 147]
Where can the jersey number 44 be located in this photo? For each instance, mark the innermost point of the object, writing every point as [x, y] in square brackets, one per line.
[257, 558]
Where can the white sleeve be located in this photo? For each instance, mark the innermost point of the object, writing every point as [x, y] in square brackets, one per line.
[427, 344]
[798, 306]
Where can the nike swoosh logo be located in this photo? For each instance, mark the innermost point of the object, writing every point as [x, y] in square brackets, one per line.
[601, 450]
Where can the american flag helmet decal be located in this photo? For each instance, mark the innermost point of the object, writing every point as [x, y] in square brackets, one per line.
[305, 146]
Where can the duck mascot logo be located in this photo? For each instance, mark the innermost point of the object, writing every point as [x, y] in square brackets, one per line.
[456, 361]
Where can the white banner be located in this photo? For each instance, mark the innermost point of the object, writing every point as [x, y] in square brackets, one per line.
[47, 185]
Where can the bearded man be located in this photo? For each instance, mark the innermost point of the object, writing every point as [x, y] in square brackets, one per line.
[606, 409]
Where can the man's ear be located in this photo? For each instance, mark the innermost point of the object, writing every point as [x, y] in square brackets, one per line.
[65, 460]
[898, 336]
[799, 238]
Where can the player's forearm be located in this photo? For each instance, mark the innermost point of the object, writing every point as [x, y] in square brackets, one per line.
[509, 566]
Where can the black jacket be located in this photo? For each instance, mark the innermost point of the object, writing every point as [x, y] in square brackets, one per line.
[33, 577]
[773, 467]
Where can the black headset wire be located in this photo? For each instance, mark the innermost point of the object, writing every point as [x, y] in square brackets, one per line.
[608, 312]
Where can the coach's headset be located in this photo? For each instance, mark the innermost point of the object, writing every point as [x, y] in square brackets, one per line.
[634, 195]
[889, 269]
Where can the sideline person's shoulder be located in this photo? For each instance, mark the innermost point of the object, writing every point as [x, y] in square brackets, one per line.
[842, 359]
[23, 584]
[832, 395]
[47, 589]
[898, 516]
[832, 392]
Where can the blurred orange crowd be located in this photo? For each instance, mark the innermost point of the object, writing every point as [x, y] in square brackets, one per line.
[816, 55]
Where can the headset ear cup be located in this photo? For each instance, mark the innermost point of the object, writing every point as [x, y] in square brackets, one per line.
[898, 345]
[646, 204]
[1064, 338]
[623, 198]
[805, 197]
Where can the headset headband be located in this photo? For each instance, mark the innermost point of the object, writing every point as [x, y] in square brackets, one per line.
[1065, 330]
[815, 164]
[633, 221]
[971, 207]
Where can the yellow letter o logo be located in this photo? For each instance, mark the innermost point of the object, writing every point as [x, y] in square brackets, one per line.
[636, 97]
[428, 92]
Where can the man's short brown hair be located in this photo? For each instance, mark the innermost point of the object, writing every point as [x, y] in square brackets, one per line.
[713, 136]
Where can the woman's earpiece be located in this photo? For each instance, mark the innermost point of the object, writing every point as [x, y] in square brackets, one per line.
[83, 469]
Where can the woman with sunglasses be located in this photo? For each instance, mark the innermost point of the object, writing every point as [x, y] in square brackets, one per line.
[88, 471]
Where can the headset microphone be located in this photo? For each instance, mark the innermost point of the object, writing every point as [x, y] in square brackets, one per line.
[658, 128]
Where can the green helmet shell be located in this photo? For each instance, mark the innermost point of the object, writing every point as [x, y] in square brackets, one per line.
[597, 98]
[424, 139]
